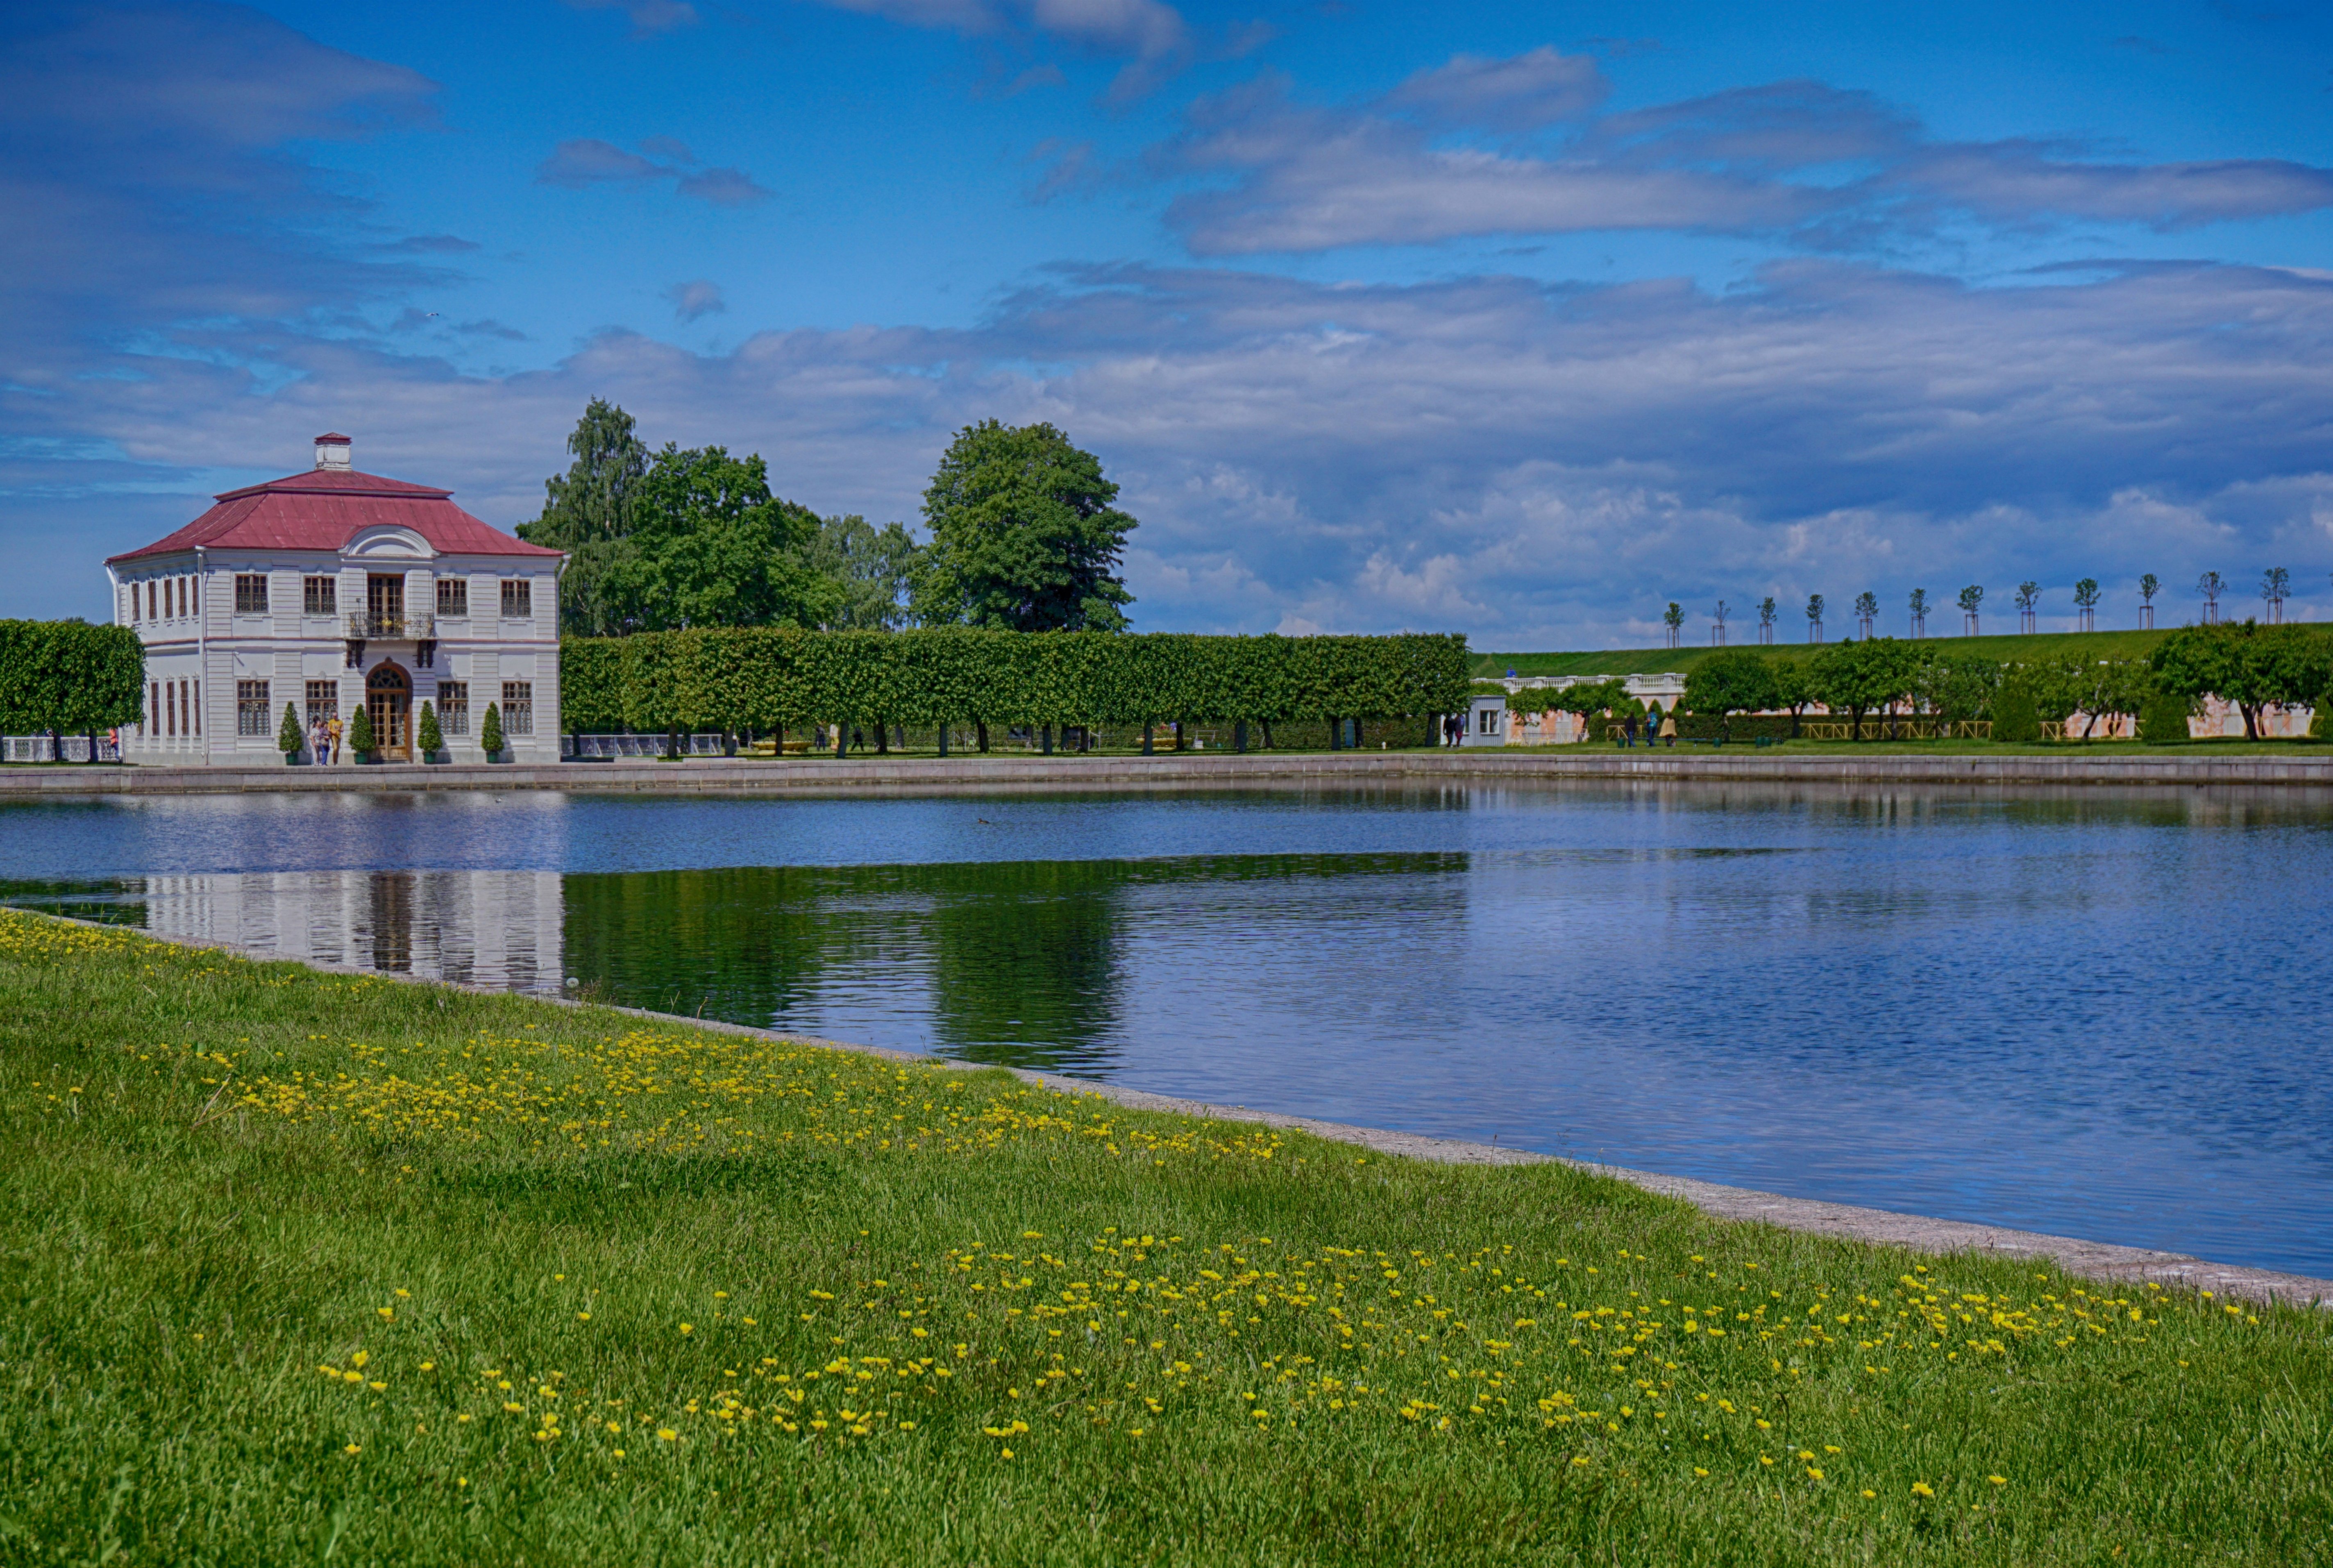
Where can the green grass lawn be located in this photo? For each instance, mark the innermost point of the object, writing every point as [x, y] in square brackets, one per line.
[1654, 660]
[304, 1267]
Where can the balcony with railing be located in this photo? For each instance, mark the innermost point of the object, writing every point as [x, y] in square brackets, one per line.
[364, 626]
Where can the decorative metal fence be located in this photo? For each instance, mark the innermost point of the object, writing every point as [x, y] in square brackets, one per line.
[586, 746]
[41, 748]
[1900, 727]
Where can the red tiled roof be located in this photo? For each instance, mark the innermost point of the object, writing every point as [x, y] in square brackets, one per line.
[326, 508]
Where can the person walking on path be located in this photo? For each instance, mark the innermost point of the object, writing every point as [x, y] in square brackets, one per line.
[1669, 729]
[333, 739]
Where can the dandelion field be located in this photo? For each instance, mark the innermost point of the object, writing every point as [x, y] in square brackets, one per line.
[305, 1266]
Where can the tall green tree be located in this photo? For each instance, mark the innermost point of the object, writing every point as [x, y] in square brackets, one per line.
[1732, 681]
[1025, 535]
[876, 569]
[711, 546]
[1859, 677]
[588, 512]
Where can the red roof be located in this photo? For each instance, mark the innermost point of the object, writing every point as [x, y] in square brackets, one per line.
[325, 508]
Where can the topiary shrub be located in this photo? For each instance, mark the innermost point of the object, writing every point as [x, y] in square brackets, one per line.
[2014, 720]
[2162, 718]
[361, 739]
[432, 739]
[288, 739]
[490, 734]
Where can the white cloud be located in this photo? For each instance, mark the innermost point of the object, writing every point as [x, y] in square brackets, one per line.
[1533, 465]
[586, 160]
[697, 299]
[1799, 161]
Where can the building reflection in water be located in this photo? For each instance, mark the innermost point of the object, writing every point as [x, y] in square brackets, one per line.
[502, 930]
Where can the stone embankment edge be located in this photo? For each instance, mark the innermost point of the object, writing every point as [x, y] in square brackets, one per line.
[1000, 775]
[2102, 1261]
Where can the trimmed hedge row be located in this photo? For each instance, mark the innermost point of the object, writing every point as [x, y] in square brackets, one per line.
[771, 677]
[69, 677]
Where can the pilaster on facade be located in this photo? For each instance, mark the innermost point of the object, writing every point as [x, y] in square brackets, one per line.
[335, 591]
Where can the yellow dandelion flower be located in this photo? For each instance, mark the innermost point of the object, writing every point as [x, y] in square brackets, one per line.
[688, 1327]
[619, 1453]
[387, 1314]
[1922, 1489]
[352, 1449]
[1998, 1480]
[667, 1434]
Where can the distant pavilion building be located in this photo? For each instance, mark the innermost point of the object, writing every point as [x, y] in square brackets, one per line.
[333, 589]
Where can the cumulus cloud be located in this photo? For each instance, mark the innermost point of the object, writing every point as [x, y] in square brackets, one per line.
[1522, 92]
[155, 164]
[587, 161]
[1519, 147]
[692, 301]
[1533, 464]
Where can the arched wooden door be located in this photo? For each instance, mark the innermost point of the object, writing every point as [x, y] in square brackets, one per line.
[389, 702]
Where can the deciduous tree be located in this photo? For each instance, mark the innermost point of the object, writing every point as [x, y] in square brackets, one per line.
[1026, 535]
[1734, 680]
[2245, 663]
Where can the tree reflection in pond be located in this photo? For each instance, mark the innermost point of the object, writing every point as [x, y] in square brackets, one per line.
[1021, 964]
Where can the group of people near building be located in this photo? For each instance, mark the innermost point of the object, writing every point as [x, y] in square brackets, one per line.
[325, 739]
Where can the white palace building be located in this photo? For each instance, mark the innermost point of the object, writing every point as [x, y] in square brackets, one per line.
[331, 589]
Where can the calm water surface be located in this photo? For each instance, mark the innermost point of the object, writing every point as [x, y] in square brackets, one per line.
[2098, 1015]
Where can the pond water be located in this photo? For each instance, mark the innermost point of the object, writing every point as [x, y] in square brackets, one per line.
[2099, 1015]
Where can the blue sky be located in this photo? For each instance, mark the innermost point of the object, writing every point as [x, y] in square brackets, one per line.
[1521, 321]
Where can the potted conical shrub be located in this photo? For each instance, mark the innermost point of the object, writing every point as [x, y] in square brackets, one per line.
[361, 739]
[490, 734]
[288, 739]
[432, 739]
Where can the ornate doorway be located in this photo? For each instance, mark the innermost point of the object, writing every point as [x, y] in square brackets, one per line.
[389, 703]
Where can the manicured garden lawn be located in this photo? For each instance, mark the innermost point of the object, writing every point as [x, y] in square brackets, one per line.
[305, 1267]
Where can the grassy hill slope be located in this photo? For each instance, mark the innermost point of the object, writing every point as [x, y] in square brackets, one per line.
[1652, 660]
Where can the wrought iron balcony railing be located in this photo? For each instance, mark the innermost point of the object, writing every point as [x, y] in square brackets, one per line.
[419, 626]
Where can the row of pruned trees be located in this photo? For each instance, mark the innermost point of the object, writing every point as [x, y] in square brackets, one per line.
[61, 677]
[2275, 588]
[2247, 664]
[769, 679]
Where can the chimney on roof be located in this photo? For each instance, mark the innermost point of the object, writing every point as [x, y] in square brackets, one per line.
[332, 452]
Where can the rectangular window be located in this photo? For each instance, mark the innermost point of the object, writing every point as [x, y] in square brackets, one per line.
[518, 705]
[319, 595]
[453, 597]
[250, 594]
[153, 709]
[323, 700]
[385, 603]
[153, 611]
[518, 600]
[454, 706]
[195, 704]
[251, 708]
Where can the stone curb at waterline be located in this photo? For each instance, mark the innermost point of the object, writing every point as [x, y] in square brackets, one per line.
[995, 773]
[1883, 1227]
